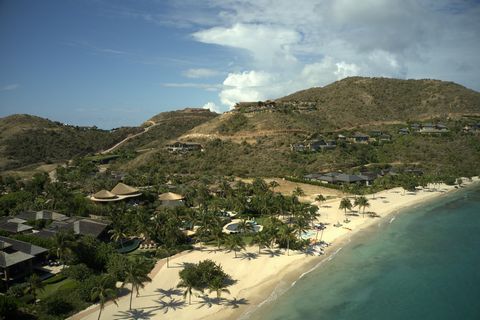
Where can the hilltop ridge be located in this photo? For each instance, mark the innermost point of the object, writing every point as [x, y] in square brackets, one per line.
[348, 103]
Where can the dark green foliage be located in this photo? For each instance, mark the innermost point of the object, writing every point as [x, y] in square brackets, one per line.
[201, 276]
[14, 202]
[85, 288]
[62, 143]
[57, 305]
[93, 253]
[78, 272]
[8, 307]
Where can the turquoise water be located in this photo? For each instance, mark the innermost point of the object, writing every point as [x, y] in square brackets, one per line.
[423, 265]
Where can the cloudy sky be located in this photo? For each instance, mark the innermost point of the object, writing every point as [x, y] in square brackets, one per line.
[111, 62]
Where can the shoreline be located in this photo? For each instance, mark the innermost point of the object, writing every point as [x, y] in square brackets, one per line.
[261, 277]
[290, 279]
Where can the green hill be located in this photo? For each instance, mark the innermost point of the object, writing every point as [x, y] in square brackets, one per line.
[254, 139]
[168, 126]
[26, 139]
[354, 102]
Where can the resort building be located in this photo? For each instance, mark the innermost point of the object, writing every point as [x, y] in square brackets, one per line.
[429, 128]
[342, 178]
[40, 215]
[120, 192]
[18, 258]
[360, 138]
[78, 225]
[184, 147]
[14, 225]
[171, 199]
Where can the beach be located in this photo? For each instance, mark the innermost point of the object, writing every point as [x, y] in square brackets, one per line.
[257, 275]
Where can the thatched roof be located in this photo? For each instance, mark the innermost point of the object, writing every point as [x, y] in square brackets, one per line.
[170, 196]
[122, 189]
[104, 194]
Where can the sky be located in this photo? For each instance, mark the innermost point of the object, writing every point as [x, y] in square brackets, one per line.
[114, 63]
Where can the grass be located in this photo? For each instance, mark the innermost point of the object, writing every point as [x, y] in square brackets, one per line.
[50, 289]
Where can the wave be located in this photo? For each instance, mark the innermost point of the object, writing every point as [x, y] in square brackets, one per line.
[282, 287]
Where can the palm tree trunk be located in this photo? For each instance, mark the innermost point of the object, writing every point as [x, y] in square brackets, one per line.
[131, 297]
[99, 313]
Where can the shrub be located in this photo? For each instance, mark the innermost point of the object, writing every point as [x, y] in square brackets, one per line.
[8, 307]
[78, 272]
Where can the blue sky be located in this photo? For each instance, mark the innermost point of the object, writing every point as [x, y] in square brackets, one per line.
[111, 63]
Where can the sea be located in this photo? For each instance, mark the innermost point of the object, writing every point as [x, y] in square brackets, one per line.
[423, 263]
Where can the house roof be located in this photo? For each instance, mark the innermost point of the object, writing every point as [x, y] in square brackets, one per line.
[169, 196]
[41, 215]
[89, 227]
[45, 233]
[10, 259]
[122, 189]
[360, 135]
[24, 247]
[104, 194]
[27, 215]
[14, 227]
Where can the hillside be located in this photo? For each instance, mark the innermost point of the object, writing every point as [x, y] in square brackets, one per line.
[167, 126]
[350, 103]
[26, 139]
[255, 139]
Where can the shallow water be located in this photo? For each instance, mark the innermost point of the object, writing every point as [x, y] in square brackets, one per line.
[424, 264]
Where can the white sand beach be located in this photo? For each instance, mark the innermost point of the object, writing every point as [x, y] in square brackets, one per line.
[256, 275]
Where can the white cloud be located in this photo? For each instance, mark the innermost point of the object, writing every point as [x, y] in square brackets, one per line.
[277, 47]
[10, 87]
[201, 73]
[267, 45]
[212, 107]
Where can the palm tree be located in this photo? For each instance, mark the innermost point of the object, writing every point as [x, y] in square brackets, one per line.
[345, 204]
[104, 292]
[362, 202]
[117, 233]
[62, 241]
[245, 226]
[320, 198]
[263, 240]
[136, 274]
[234, 243]
[273, 185]
[218, 285]
[188, 280]
[285, 234]
[298, 192]
[34, 284]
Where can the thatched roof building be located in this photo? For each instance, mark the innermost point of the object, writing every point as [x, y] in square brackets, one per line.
[122, 189]
[120, 192]
[170, 196]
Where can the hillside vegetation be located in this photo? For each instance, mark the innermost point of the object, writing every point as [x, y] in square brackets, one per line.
[255, 138]
[26, 139]
[169, 126]
[350, 103]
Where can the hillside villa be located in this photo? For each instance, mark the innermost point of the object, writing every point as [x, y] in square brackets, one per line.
[184, 147]
[18, 258]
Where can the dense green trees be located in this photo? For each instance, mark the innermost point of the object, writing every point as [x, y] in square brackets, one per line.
[204, 275]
